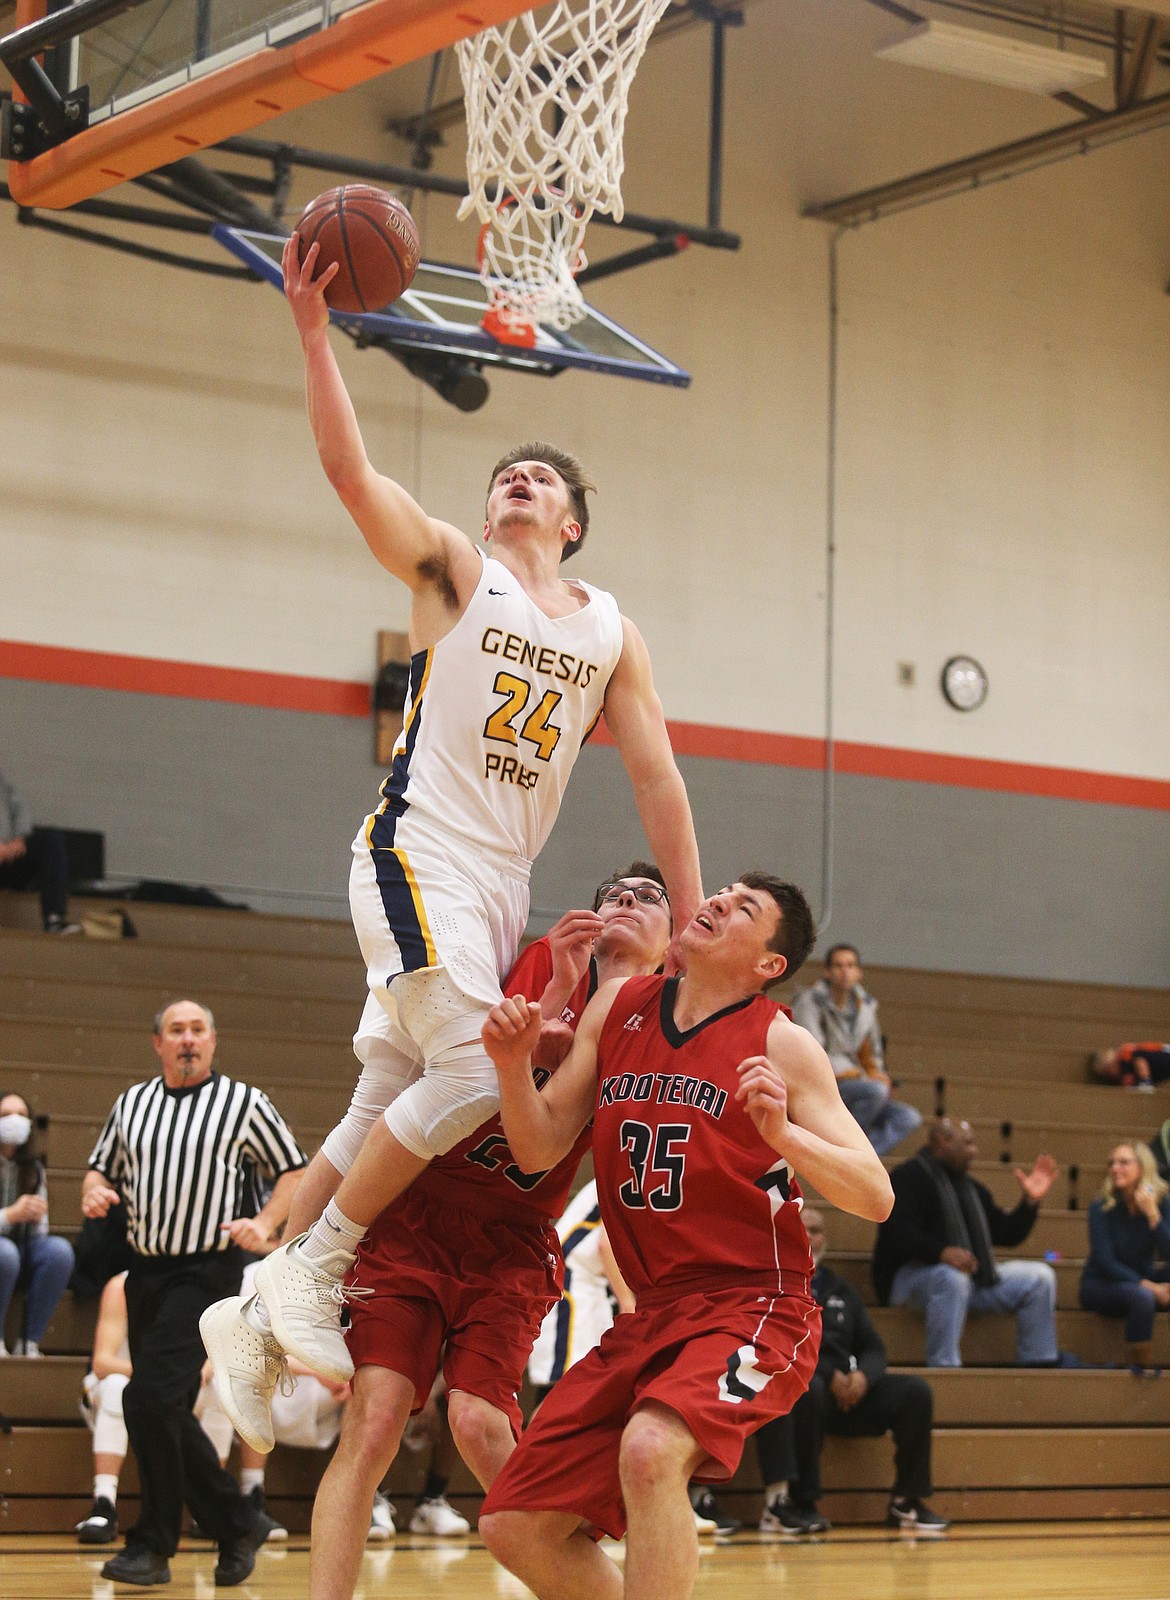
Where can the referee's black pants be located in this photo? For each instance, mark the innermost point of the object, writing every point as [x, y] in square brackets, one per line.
[165, 1297]
[790, 1447]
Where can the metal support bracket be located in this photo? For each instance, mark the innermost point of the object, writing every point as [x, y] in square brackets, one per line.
[47, 119]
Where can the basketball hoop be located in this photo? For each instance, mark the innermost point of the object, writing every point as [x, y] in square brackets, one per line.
[546, 112]
[517, 300]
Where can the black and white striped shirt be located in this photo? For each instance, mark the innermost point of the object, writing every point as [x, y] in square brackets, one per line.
[185, 1160]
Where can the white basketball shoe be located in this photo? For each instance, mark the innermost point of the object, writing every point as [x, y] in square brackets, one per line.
[247, 1367]
[304, 1298]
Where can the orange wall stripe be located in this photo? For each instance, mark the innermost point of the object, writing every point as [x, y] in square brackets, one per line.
[914, 766]
[280, 691]
[183, 680]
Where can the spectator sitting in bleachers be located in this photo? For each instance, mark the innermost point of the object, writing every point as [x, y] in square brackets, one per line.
[41, 1262]
[1132, 1066]
[934, 1251]
[842, 1017]
[34, 858]
[1129, 1228]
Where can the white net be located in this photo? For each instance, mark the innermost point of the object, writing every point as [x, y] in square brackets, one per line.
[546, 98]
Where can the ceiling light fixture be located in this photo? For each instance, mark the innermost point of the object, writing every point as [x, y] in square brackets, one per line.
[993, 58]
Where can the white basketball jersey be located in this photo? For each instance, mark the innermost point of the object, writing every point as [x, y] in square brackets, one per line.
[584, 1312]
[497, 712]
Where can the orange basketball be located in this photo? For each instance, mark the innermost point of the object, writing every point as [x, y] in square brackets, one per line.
[371, 236]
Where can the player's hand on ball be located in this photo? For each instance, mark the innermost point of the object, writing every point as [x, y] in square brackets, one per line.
[512, 1032]
[764, 1096]
[306, 294]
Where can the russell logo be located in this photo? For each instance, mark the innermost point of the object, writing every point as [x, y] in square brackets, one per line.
[634, 1025]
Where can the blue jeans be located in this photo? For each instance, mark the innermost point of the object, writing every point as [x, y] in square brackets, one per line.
[885, 1122]
[1128, 1300]
[49, 1269]
[946, 1295]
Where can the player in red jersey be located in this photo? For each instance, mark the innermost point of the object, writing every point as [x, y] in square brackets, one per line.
[705, 1099]
[465, 1264]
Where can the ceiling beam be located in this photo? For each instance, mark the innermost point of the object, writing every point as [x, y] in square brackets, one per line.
[1135, 78]
[1005, 160]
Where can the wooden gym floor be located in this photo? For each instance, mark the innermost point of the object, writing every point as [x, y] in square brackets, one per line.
[1021, 1561]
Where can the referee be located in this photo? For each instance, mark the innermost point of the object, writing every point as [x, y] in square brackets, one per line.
[181, 1151]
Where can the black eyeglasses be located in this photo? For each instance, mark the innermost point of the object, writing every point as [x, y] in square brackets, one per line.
[647, 894]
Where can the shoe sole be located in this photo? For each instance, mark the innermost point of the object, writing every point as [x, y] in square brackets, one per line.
[214, 1326]
[84, 1537]
[287, 1339]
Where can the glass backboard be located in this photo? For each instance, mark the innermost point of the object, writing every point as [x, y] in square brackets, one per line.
[443, 309]
[163, 44]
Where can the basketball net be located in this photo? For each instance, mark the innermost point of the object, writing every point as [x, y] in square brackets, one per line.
[546, 111]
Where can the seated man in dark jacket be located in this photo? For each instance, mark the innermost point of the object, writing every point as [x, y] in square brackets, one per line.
[934, 1251]
[851, 1393]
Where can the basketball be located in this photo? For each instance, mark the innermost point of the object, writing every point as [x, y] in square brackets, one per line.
[371, 236]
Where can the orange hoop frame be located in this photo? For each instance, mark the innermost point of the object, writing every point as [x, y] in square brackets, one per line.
[522, 335]
[372, 39]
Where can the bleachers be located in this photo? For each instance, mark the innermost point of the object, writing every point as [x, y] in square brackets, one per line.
[1010, 1443]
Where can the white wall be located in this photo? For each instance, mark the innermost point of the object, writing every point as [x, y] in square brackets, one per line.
[1005, 401]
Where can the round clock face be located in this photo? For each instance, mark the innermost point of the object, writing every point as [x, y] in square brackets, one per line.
[964, 683]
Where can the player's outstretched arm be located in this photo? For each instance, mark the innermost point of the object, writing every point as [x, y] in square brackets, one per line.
[407, 542]
[792, 1097]
[542, 1125]
[633, 714]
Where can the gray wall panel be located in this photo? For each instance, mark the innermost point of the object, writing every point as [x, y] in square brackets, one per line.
[926, 876]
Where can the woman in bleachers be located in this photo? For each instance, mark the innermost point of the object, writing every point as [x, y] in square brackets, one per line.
[29, 1253]
[1129, 1230]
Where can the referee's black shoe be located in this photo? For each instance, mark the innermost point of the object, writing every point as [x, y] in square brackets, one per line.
[138, 1564]
[237, 1556]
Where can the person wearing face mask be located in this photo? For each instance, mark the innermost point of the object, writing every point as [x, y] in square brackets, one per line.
[29, 1253]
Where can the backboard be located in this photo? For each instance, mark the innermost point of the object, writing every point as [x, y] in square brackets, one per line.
[443, 309]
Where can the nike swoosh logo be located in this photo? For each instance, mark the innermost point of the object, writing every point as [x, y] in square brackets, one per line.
[500, 591]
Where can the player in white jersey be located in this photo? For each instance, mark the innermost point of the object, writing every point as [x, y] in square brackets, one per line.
[511, 666]
[584, 1312]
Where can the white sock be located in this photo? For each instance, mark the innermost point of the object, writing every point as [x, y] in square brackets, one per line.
[105, 1486]
[255, 1314]
[251, 1478]
[776, 1491]
[332, 1231]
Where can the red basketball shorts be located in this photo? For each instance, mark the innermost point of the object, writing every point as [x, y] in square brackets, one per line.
[476, 1277]
[725, 1361]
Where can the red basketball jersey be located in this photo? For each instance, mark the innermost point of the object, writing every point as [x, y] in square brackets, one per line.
[689, 1191]
[484, 1160]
